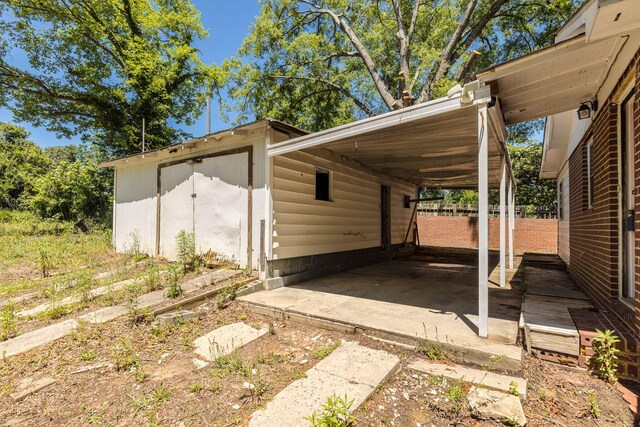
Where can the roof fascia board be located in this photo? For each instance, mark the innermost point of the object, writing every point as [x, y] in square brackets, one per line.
[577, 15]
[502, 135]
[371, 124]
[235, 131]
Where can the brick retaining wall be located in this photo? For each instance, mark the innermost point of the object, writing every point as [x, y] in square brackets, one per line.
[531, 234]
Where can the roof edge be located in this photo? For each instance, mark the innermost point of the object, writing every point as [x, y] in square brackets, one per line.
[267, 122]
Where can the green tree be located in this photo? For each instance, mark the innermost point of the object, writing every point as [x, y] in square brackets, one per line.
[321, 63]
[21, 161]
[97, 68]
[525, 162]
[72, 191]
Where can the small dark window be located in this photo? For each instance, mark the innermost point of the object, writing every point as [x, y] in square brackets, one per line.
[323, 185]
[406, 201]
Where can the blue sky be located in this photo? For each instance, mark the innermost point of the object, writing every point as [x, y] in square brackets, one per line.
[228, 23]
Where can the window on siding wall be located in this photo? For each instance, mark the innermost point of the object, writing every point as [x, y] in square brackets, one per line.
[590, 174]
[323, 185]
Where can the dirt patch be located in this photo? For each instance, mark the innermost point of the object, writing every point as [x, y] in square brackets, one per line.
[153, 380]
[564, 396]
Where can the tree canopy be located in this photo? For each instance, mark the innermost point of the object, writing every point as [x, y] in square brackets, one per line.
[97, 68]
[61, 182]
[320, 63]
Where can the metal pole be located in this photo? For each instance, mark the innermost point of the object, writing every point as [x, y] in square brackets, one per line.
[143, 132]
[483, 222]
[503, 190]
[208, 115]
[511, 220]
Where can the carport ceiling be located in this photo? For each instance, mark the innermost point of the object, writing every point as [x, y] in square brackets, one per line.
[436, 151]
[442, 152]
[551, 80]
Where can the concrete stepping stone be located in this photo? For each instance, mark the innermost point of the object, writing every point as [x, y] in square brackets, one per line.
[495, 406]
[17, 299]
[175, 317]
[225, 340]
[94, 293]
[207, 280]
[104, 314]
[33, 339]
[475, 376]
[351, 369]
[29, 386]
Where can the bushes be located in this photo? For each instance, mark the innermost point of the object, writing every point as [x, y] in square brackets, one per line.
[71, 192]
[62, 183]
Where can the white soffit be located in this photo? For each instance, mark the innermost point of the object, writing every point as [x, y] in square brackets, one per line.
[552, 80]
[614, 17]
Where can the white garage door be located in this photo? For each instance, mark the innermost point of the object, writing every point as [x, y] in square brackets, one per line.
[209, 198]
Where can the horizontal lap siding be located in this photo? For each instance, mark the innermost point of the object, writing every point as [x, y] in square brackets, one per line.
[305, 226]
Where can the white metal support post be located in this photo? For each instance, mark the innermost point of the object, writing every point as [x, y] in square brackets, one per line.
[483, 222]
[503, 190]
[512, 201]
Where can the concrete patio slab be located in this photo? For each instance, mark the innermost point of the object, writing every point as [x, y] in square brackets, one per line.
[409, 301]
[225, 340]
[351, 369]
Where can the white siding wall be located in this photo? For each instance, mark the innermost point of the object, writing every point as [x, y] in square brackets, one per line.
[136, 186]
[305, 226]
[134, 217]
[563, 223]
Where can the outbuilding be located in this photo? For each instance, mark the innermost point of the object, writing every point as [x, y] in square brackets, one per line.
[294, 206]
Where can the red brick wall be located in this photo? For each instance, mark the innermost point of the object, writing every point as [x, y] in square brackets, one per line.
[594, 230]
[530, 234]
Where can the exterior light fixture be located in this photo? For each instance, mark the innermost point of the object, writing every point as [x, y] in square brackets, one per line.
[584, 112]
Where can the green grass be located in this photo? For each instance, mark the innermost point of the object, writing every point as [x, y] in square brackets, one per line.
[33, 247]
[323, 351]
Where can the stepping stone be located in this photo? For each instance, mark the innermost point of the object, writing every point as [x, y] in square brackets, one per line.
[207, 280]
[16, 300]
[104, 314]
[225, 340]
[175, 317]
[495, 406]
[29, 386]
[151, 298]
[351, 369]
[33, 339]
[457, 372]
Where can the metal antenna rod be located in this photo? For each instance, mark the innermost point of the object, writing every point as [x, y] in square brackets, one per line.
[208, 115]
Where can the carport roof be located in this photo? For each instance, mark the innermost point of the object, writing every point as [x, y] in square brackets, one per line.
[434, 144]
[551, 80]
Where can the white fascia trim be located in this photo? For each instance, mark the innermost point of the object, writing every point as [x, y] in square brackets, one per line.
[393, 118]
[548, 129]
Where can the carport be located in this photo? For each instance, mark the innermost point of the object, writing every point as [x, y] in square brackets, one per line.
[454, 142]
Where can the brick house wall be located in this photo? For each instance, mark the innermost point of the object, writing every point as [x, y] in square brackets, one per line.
[594, 230]
[530, 234]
